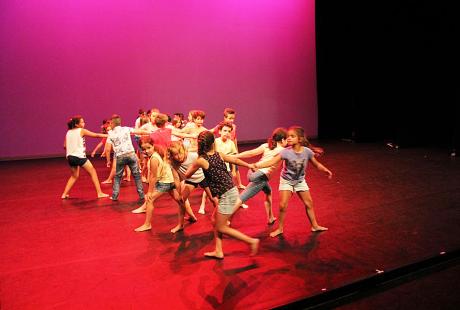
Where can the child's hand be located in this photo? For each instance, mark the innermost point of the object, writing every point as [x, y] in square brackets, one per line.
[329, 174]
[318, 151]
[108, 164]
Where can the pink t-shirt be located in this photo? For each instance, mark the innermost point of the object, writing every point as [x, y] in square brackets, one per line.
[162, 137]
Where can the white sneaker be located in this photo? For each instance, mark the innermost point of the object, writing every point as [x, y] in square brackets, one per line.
[244, 206]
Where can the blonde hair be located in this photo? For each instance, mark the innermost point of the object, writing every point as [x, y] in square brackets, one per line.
[176, 147]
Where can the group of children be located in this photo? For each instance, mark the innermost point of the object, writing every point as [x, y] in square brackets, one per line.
[176, 158]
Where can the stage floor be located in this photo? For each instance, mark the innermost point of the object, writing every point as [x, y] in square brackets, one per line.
[384, 208]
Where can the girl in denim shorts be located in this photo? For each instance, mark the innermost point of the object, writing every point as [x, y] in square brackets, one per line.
[221, 185]
[161, 180]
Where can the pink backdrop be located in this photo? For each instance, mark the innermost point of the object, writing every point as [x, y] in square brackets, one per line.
[95, 58]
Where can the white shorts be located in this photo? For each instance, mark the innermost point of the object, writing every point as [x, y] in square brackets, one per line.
[286, 185]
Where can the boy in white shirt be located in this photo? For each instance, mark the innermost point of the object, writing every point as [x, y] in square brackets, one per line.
[120, 139]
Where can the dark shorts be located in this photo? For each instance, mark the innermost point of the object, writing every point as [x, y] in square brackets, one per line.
[202, 184]
[75, 161]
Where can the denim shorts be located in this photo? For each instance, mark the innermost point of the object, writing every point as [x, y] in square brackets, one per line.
[286, 185]
[164, 187]
[228, 200]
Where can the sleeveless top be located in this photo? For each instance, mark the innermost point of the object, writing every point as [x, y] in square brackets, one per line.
[219, 179]
[198, 176]
[164, 172]
[75, 143]
[267, 155]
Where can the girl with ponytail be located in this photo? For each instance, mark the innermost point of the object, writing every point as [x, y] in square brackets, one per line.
[258, 180]
[76, 154]
[221, 185]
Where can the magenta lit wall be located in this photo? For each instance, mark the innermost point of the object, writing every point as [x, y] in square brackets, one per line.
[95, 58]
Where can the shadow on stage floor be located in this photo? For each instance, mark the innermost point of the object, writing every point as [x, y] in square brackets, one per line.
[385, 209]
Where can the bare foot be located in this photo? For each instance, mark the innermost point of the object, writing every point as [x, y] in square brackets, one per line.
[102, 195]
[106, 182]
[143, 228]
[201, 211]
[272, 221]
[244, 206]
[254, 247]
[214, 254]
[319, 228]
[276, 232]
[65, 196]
[177, 228]
[141, 209]
[241, 186]
[126, 179]
[92, 154]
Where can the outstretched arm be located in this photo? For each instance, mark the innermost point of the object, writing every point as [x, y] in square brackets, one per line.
[234, 160]
[251, 153]
[140, 132]
[91, 134]
[320, 167]
[268, 163]
[197, 164]
[181, 134]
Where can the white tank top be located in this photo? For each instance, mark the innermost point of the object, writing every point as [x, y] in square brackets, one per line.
[198, 176]
[267, 155]
[75, 143]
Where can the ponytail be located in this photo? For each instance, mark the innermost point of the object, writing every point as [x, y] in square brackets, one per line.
[277, 136]
[205, 142]
[73, 121]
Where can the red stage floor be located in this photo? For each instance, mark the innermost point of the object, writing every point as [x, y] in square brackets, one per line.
[384, 209]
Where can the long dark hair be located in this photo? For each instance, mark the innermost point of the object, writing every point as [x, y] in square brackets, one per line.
[278, 135]
[74, 121]
[205, 142]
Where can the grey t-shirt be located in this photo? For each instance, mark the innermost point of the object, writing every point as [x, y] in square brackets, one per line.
[294, 164]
